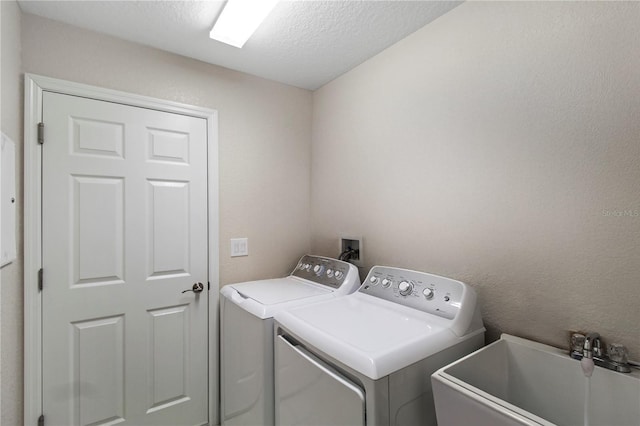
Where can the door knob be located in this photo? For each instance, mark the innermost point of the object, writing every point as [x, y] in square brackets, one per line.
[197, 288]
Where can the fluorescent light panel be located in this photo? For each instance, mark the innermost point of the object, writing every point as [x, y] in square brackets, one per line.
[239, 20]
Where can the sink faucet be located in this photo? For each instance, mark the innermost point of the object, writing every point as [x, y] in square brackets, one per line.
[589, 346]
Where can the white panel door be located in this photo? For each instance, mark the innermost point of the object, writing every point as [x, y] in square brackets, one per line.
[124, 234]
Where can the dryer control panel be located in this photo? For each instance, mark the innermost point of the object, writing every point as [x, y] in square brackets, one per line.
[323, 270]
[441, 296]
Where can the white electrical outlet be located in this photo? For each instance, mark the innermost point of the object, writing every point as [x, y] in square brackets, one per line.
[239, 247]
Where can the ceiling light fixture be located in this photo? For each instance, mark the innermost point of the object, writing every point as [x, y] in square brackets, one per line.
[239, 19]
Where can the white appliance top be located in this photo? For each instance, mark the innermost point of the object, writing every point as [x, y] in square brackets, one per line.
[279, 290]
[314, 278]
[387, 325]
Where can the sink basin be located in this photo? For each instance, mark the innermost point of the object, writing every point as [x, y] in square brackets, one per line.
[516, 381]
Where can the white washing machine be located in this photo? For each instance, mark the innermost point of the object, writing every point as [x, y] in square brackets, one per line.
[367, 358]
[246, 332]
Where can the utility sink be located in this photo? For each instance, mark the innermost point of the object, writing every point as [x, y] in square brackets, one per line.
[516, 381]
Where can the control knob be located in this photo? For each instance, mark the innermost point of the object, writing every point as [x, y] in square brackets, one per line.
[318, 269]
[386, 282]
[338, 275]
[374, 280]
[405, 288]
[428, 293]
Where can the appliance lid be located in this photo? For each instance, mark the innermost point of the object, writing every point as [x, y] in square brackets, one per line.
[279, 290]
[374, 337]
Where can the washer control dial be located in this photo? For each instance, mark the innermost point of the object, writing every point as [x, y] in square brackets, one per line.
[318, 269]
[386, 283]
[428, 293]
[374, 280]
[405, 288]
[338, 275]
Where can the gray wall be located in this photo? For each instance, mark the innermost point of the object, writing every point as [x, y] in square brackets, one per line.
[498, 145]
[11, 288]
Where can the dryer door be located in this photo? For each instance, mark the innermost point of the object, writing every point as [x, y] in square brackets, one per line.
[309, 392]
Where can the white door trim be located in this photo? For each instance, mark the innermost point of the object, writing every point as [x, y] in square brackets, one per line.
[35, 85]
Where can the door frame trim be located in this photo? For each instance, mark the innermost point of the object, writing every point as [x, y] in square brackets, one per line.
[34, 87]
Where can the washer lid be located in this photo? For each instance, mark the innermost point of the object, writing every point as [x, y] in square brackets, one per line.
[279, 290]
[374, 337]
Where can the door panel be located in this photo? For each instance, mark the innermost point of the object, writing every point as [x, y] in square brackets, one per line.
[124, 233]
[98, 358]
[98, 219]
[95, 137]
[167, 146]
[168, 356]
[168, 228]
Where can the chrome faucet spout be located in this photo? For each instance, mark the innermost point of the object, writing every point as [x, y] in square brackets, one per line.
[591, 345]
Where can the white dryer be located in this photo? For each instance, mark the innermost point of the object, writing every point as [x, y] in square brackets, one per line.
[246, 332]
[367, 358]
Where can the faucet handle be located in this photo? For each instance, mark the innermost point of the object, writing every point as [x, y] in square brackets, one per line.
[577, 343]
[617, 353]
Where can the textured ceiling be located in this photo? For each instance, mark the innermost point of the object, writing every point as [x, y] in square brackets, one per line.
[303, 43]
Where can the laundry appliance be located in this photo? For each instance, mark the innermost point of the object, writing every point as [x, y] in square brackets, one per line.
[367, 358]
[246, 332]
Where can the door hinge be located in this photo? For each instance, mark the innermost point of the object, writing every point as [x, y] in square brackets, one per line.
[40, 279]
[41, 420]
[40, 133]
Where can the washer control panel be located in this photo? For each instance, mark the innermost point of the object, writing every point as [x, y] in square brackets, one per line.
[419, 290]
[322, 270]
